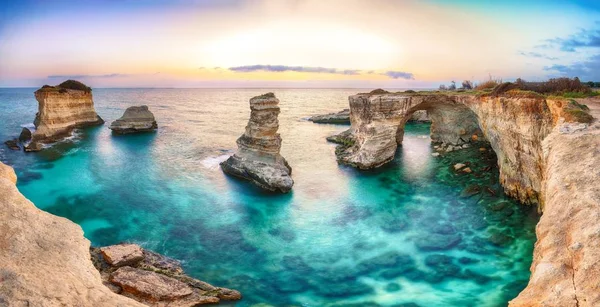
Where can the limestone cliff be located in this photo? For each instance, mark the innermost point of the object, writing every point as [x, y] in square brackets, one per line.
[565, 269]
[61, 109]
[257, 158]
[135, 119]
[45, 259]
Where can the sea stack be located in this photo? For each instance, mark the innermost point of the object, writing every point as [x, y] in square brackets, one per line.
[134, 120]
[62, 108]
[257, 158]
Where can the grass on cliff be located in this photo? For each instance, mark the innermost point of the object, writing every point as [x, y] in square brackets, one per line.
[577, 112]
[265, 96]
[68, 85]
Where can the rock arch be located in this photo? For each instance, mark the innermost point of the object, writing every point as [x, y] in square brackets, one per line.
[515, 127]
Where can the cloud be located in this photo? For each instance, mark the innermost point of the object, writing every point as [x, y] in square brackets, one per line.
[399, 75]
[321, 70]
[537, 55]
[86, 76]
[282, 68]
[351, 72]
[587, 70]
[585, 38]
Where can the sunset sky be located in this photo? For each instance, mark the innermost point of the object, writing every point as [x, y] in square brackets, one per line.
[295, 43]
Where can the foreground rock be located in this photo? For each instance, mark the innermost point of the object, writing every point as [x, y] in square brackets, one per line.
[134, 120]
[154, 279]
[45, 260]
[342, 117]
[257, 158]
[61, 109]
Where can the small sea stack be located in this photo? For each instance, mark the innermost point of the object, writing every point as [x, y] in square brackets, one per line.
[61, 109]
[341, 117]
[136, 119]
[257, 158]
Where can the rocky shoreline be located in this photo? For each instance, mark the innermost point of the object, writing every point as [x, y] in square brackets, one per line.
[62, 269]
[153, 279]
[538, 145]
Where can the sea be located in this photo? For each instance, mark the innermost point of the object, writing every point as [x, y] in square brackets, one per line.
[410, 233]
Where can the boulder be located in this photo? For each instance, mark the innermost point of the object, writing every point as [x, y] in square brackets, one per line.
[149, 285]
[135, 119]
[25, 135]
[122, 254]
[458, 166]
[257, 158]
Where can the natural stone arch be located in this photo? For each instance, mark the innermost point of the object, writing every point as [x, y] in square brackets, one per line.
[515, 127]
[452, 122]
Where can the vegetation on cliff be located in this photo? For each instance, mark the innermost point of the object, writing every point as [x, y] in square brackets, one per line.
[67, 85]
[576, 112]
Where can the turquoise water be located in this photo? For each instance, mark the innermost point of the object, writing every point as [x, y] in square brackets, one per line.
[398, 235]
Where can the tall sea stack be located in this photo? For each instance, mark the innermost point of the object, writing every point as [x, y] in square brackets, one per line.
[257, 158]
[62, 108]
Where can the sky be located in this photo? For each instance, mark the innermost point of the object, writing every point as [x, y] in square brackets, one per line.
[296, 43]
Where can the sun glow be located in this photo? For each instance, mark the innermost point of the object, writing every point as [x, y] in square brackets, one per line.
[301, 43]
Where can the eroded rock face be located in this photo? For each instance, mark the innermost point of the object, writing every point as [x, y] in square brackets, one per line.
[135, 120]
[60, 110]
[45, 259]
[257, 158]
[565, 269]
[515, 128]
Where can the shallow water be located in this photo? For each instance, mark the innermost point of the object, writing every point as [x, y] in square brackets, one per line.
[398, 235]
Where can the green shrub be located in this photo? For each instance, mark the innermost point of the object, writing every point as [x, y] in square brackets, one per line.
[75, 85]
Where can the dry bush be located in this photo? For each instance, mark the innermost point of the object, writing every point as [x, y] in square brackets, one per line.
[555, 86]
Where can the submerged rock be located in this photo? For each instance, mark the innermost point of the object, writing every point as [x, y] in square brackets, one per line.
[135, 119]
[13, 144]
[257, 158]
[437, 242]
[470, 191]
[342, 117]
